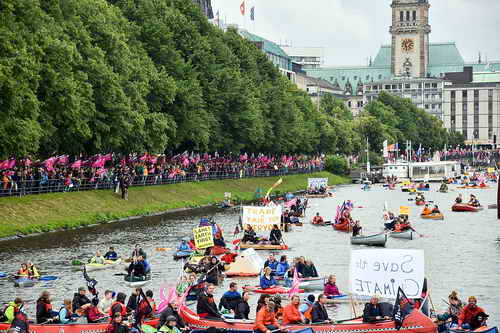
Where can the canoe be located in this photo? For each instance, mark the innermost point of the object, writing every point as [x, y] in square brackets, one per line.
[415, 322]
[308, 284]
[433, 216]
[263, 246]
[465, 208]
[73, 328]
[477, 187]
[318, 196]
[107, 264]
[24, 282]
[182, 254]
[420, 202]
[345, 227]
[137, 281]
[407, 234]
[269, 291]
[493, 206]
[371, 240]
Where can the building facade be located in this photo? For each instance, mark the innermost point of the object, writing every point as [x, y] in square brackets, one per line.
[306, 57]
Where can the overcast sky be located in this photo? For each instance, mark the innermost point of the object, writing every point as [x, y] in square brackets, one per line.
[350, 31]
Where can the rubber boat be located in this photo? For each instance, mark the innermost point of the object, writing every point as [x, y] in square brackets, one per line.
[433, 216]
[218, 250]
[269, 291]
[465, 208]
[72, 328]
[263, 246]
[107, 264]
[137, 281]
[420, 202]
[371, 240]
[346, 226]
[182, 254]
[415, 322]
[407, 234]
[24, 282]
[493, 206]
[475, 187]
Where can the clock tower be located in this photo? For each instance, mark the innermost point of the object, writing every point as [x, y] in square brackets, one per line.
[410, 38]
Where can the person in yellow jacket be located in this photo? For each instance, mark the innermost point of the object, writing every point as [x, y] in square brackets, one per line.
[11, 310]
[98, 258]
[32, 271]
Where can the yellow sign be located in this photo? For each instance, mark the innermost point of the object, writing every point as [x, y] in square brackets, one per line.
[491, 170]
[404, 210]
[203, 237]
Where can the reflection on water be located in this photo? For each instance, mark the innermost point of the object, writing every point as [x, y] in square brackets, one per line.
[462, 252]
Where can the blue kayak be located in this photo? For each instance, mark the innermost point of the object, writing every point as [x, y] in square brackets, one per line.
[182, 254]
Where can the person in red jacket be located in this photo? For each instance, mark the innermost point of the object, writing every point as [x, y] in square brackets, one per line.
[228, 257]
[266, 321]
[291, 313]
[472, 316]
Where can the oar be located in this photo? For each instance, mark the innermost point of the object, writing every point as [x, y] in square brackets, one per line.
[47, 278]
[3, 274]
[421, 235]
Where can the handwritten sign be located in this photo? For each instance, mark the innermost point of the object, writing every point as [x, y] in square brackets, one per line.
[227, 195]
[203, 237]
[317, 182]
[491, 170]
[261, 218]
[404, 210]
[382, 272]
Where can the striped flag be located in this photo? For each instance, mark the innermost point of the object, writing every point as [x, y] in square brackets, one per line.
[242, 8]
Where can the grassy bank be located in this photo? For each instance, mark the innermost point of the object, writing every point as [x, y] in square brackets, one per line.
[46, 212]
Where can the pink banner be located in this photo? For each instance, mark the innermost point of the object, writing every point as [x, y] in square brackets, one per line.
[77, 164]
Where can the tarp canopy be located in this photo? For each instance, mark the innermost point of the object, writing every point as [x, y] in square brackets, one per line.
[247, 263]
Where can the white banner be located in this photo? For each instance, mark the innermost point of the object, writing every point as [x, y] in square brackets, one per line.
[386, 150]
[262, 218]
[382, 272]
[317, 182]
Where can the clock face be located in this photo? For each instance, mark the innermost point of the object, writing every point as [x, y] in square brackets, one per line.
[407, 44]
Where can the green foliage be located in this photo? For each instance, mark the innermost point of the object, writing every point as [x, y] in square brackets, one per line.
[337, 165]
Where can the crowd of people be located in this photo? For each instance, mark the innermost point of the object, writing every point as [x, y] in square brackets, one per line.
[57, 174]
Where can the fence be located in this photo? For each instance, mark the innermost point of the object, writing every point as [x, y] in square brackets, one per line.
[26, 187]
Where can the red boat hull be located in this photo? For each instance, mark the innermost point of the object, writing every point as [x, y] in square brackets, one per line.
[465, 208]
[342, 226]
[269, 291]
[416, 322]
[218, 250]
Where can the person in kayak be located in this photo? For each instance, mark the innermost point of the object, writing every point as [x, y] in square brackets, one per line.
[443, 187]
[306, 308]
[138, 251]
[80, 299]
[184, 246]
[458, 199]
[373, 311]
[472, 316]
[20, 324]
[272, 263]
[138, 267]
[117, 326]
[170, 325]
[242, 308]
[291, 313]
[32, 271]
[97, 258]
[275, 236]
[473, 201]
[11, 309]
[318, 219]
[426, 211]
[455, 306]
[230, 298]
[319, 313]
[65, 313]
[356, 229]
[118, 306]
[44, 312]
[265, 321]
[228, 257]
[309, 270]
[262, 301]
[23, 272]
[283, 267]
[330, 289]
[267, 280]
[105, 303]
[172, 310]
[249, 235]
[435, 210]
[111, 254]
[205, 307]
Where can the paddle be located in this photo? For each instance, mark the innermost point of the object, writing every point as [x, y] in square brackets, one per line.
[47, 278]
[3, 274]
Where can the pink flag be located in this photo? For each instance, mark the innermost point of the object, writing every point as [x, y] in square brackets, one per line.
[185, 162]
[62, 160]
[99, 163]
[144, 157]
[12, 163]
[165, 301]
[108, 157]
[290, 203]
[100, 171]
[295, 284]
[27, 162]
[49, 163]
[77, 164]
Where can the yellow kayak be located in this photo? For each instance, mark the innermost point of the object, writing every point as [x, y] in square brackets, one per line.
[107, 264]
[439, 216]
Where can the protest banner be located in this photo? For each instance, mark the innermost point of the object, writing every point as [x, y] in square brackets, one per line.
[383, 271]
[203, 237]
[261, 218]
[317, 182]
[404, 210]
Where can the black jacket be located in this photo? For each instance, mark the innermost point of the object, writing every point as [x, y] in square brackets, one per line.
[206, 306]
[79, 301]
[275, 235]
[42, 311]
[132, 302]
[371, 312]
[169, 311]
[319, 313]
[229, 302]
[242, 310]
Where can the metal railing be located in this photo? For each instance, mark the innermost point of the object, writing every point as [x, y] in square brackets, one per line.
[111, 181]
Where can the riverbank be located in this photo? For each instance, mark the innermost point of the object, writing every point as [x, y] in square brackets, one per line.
[55, 211]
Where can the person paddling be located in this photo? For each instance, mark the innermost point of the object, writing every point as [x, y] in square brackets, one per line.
[426, 211]
[318, 219]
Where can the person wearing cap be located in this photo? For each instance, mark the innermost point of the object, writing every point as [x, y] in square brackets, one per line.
[172, 310]
[291, 313]
[266, 321]
[170, 325]
[373, 311]
[184, 246]
[306, 308]
[472, 316]
[11, 309]
[105, 303]
[319, 313]
[80, 299]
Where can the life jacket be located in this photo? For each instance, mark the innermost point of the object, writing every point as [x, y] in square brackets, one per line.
[23, 272]
[68, 313]
[114, 309]
[93, 314]
[308, 312]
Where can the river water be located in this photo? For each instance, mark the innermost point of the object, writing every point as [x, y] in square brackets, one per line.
[462, 252]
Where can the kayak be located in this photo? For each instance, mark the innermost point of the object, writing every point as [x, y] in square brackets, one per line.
[218, 250]
[263, 246]
[182, 254]
[137, 281]
[326, 195]
[493, 206]
[423, 189]
[308, 284]
[371, 240]
[73, 328]
[465, 208]
[407, 234]
[420, 202]
[415, 322]
[476, 187]
[269, 291]
[24, 282]
[438, 216]
[107, 264]
[346, 227]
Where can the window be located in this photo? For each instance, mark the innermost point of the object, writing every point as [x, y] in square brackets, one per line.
[355, 77]
[426, 106]
[434, 85]
[407, 86]
[464, 107]
[394, 86]
[433, 106]
[331, 78]
[490, 93]
[407, 15]
[367, 77]
[426, 96]
[401, 16]
[400, 86]
[349, 104]
[464, 94]
[343, 78]
[380, 77]
[414, 15]
[427, 85]
[476, 94]
[387, 87]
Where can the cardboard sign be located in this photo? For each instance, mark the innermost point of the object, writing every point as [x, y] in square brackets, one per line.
[404, 210]
[382, 272]
[262, 218]
[203, 237]
[317, 182]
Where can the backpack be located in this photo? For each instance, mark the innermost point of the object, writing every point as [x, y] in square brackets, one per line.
[3, 317]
